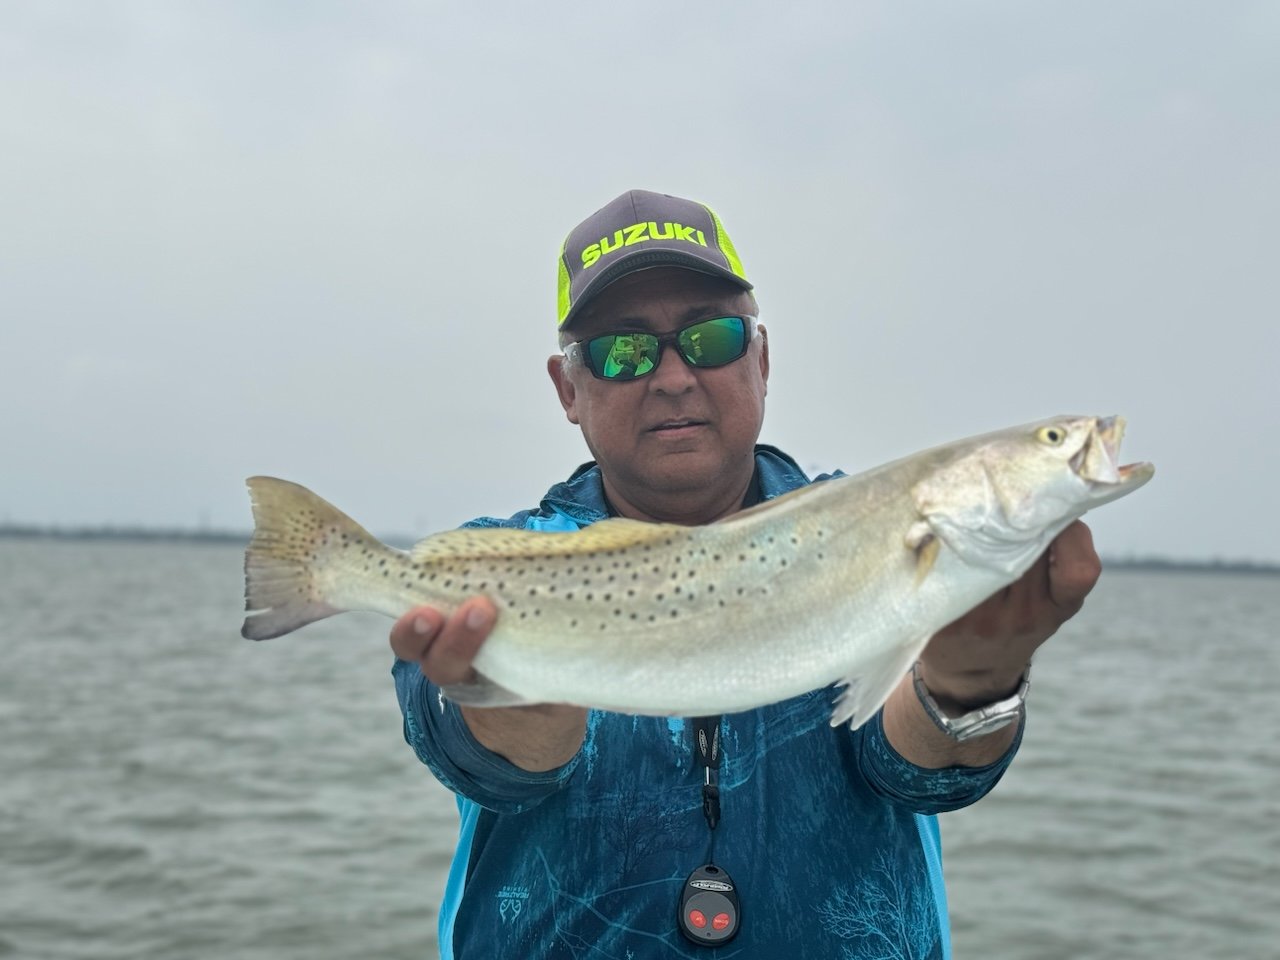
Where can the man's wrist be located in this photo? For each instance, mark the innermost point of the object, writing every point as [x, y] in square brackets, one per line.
[956, 694]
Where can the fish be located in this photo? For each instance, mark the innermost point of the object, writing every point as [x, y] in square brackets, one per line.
[841, 582]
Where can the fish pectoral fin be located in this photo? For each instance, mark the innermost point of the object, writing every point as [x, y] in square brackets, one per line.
[925, 543]
[866, 691]
[483, 692]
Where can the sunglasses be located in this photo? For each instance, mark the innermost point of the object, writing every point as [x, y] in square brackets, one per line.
[633, 354]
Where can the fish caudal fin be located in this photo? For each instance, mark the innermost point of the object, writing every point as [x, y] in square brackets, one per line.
[293, 529]
[865, 692]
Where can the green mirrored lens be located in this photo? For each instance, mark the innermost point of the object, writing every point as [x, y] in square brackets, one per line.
[623, 356]
[713, 343]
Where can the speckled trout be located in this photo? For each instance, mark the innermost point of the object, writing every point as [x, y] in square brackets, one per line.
[842, 581]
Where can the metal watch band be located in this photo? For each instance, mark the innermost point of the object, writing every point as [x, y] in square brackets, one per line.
[975, 723]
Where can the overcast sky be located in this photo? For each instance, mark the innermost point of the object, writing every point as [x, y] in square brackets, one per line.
[317, 240]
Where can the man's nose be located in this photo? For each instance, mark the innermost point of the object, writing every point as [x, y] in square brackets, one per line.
[673, 374]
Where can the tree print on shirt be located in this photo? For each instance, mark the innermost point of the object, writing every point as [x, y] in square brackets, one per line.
[886, 916]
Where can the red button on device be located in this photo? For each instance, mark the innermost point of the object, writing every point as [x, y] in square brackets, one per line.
[698, 920]
[720, 921]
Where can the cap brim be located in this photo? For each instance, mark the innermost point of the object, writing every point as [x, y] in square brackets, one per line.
[647, 260]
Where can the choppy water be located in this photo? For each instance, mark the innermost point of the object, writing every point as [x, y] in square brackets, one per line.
[168, 790]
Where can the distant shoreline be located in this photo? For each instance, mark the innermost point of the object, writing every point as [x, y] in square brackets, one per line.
[153, 535]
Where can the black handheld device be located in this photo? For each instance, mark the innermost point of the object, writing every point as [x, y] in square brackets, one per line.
[709, 912]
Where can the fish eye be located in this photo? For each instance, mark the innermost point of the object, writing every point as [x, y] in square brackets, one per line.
[1054, 436]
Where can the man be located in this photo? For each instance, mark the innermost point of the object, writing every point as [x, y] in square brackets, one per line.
[581, 829]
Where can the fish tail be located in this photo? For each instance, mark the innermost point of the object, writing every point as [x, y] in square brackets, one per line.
[295, 534]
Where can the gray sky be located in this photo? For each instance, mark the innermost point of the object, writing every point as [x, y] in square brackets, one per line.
[317, 240]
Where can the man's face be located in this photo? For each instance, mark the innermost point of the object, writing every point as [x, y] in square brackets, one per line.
[678, 442]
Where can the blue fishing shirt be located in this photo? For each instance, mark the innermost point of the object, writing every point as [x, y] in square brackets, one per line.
[829, 834]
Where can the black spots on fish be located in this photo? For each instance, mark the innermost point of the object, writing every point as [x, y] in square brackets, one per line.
[382, 562]
[675, 576]
[421, 574]
[711, 588]
[523, 614]
[675, 613]
[573, 623]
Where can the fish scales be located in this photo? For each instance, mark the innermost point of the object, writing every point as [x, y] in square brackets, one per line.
[832, 582]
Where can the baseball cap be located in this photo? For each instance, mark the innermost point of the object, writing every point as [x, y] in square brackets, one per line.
[636, 231]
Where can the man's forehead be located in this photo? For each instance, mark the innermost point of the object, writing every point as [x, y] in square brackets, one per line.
[656, 296]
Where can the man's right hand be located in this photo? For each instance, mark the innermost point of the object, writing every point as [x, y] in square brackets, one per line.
[534, 738]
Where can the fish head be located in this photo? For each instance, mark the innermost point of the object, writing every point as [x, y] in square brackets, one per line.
[998, 500]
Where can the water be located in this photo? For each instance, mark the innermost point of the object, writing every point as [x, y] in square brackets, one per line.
[168, 790]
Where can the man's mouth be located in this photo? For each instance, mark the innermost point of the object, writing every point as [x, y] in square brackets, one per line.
[682, 423]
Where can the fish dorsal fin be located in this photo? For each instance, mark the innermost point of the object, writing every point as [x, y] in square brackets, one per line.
[616, 533]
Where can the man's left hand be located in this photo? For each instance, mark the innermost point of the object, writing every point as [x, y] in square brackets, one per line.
[981, 657]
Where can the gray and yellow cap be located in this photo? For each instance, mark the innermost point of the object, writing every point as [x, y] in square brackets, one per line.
[636, 231]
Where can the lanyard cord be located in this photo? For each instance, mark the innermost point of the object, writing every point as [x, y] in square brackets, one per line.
[706, 749]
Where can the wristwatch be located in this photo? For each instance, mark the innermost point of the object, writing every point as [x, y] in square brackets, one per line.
[975, 723]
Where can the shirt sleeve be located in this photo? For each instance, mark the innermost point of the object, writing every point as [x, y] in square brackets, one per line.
[435, 729]
[924, 789]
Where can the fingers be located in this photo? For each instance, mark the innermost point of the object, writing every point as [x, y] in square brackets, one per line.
[443, 647]
[1074, 567]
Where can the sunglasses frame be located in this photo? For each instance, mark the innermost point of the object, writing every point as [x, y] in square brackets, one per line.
[579, 350]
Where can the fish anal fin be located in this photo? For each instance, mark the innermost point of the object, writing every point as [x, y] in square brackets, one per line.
[483, 692]
[866, 691]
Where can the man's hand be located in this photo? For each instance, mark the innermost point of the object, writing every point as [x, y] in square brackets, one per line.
[981, 657]
[534, 738]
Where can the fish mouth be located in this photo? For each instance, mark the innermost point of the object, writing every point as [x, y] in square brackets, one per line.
[1097, 460]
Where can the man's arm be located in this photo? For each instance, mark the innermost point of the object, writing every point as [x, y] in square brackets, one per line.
[535, 738]
[980, 658]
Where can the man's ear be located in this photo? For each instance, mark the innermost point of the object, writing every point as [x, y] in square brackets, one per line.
[764, 356]
[557, 369]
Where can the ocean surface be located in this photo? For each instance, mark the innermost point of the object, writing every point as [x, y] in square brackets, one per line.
[168, 790]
